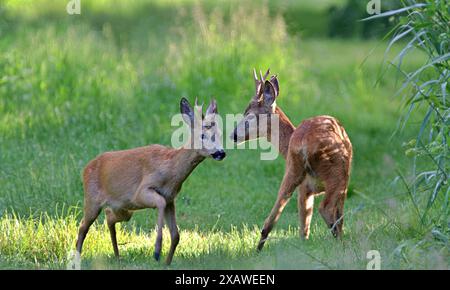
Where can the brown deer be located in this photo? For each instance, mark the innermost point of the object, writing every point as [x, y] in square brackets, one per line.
[318, 157]
[148, 177]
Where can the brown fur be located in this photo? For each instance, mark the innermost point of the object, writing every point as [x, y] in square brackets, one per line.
[318, 157]
[145, 177]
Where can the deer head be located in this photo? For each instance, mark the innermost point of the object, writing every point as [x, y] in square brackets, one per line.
[262, 103]
[205, 134]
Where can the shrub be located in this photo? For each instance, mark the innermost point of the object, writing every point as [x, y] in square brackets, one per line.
[425, 89]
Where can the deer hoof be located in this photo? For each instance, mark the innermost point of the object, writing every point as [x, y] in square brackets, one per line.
[260, 245]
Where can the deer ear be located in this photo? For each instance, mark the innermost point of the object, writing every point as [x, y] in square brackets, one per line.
[187, 111]
[212, 108]
[274, 82]
[269, 94]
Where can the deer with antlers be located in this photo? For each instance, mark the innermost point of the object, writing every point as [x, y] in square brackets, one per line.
[148, 177]
[318, 157]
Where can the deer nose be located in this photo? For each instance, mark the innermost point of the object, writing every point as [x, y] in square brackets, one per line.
[218, 155]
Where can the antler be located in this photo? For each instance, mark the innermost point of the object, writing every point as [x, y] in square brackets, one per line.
[196, 103]
[263, 79]
[259, 82]
[255, 76]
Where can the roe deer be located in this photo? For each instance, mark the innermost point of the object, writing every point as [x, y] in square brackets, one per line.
[318, 157]
[148, 177]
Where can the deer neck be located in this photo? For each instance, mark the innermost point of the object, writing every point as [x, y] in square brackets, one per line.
[286, 128]
[185, 162]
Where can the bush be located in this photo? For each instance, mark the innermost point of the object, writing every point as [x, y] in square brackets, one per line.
[345, 21]
[425, 27]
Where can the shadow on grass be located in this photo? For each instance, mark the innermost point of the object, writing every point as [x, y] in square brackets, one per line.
[280, 253]
[46, 243]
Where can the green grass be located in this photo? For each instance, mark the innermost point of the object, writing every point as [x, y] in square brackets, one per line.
[72, 87]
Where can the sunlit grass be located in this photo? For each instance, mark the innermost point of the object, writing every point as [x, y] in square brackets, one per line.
[111, 79]
[43, 240]
[47, 242]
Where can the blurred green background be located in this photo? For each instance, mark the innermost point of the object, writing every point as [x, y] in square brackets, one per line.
[73, 86]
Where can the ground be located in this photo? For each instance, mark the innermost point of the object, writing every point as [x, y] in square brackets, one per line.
[72, 87]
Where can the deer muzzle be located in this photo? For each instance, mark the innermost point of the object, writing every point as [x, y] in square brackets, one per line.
[218, 155]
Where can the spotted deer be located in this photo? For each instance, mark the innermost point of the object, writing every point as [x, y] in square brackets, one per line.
[318, 157]
[148, 177]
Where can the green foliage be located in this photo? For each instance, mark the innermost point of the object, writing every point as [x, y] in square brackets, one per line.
[425, 27]
[344, 21]
[111, 78]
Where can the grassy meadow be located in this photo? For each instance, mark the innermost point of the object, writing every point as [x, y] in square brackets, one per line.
[74, 86]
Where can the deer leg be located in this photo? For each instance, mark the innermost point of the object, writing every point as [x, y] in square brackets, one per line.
[174, 234]
[91, 212]
[111, 221]
[305, 208]
[113, 217]
[332, 209]
[338, 224]
[149, 198]
[158, 243]
[292, 178]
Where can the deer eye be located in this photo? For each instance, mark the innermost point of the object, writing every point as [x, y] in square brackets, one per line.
[203, 136]
[209, 126]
